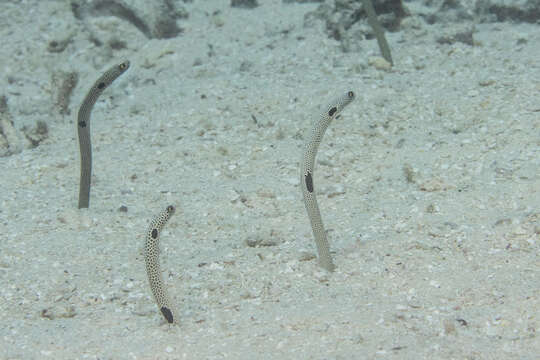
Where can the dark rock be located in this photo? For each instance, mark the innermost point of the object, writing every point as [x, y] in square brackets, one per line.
[155, 19]
[516, 10]
[463, 35]
[455, 11]
[248, 4]
[36, 134]
[302, 1]
[347, 21]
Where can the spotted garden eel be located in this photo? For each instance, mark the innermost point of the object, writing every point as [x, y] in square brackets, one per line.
[306, 175]
[83, 128]
[153, 270]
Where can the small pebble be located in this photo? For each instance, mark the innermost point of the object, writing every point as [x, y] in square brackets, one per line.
[266, 193]
[522, 39]
[321, 276]
[257, 240]
[379, 63]
[217, 19]
[486, 82]
[449, 327]
[253, 240]
[306, 256]
[335, 190]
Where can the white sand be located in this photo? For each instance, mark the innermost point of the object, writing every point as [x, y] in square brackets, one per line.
[443, 266]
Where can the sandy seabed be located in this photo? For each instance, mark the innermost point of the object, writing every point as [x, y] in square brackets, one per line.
[428, 184]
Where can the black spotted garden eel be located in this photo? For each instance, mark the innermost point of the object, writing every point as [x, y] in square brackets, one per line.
[307, 164]
[83, 128]
[153, 270]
